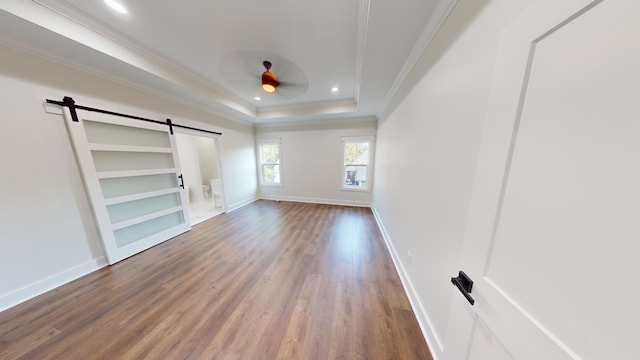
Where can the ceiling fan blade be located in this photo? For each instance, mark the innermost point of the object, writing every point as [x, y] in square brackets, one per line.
[238, 68]
[292, 74]
[301, 87]
[290, 91]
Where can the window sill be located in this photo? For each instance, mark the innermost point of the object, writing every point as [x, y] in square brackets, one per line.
[355, 189]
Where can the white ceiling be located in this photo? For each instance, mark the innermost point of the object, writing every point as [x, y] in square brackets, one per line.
[209, 53]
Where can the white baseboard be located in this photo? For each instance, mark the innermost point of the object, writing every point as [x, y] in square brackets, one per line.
[49, 283]
[240, 204]
[316, 200]
[426, 326]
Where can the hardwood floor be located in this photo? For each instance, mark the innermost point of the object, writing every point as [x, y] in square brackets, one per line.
[273, 280]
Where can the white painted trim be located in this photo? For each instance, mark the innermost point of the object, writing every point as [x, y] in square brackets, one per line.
[524, 319]
[363, 27]
[358, 139]
[50, 282]
[314, 108]
[368, 139]
[216, 144]
[259, 143]
[265, 140]
[240, 204]
[440, 14]
[316, 200]
[426, 325]
[358, 122]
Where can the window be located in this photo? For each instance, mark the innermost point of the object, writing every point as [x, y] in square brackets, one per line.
[356, 170]
[270, 167]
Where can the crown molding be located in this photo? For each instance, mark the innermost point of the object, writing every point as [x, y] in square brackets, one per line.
[363, 28]
[440, 14]
[307, 109]
[363, 122]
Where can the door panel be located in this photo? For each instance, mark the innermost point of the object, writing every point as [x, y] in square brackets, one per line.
[118, 132]
[116, 187]
[485, 346]
[132, 209]
[130, 160]
[553, 223]
[131, 172]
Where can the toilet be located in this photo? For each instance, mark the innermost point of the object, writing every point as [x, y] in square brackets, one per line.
[206, 191]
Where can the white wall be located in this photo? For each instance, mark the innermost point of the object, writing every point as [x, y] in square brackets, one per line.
[47, 232]
[312, 163]
[238, 162]
[207, 158]
[426, 153]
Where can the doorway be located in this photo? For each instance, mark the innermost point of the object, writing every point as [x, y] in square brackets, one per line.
[200, 165]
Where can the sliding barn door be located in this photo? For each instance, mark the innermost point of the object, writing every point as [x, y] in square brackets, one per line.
[132, 176]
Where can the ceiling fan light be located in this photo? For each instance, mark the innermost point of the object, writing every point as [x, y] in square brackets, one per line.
[269, 82]
[268, 88]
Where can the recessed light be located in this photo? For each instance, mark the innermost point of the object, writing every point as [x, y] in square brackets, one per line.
[257, 98]
[334, 89]
[116, 6]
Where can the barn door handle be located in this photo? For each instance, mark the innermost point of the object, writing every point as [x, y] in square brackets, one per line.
[464, 284]
[181, 181]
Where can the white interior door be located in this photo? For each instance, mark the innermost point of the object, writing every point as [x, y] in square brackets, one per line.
[554, 227]
[132, 175]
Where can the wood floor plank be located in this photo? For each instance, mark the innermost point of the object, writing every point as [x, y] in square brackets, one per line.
[295, 338]
[272, 280]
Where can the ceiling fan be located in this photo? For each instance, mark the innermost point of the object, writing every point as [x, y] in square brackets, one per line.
[248, 71]
[269, 82]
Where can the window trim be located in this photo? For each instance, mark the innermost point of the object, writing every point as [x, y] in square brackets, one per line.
[259, 144]
[357, 139]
